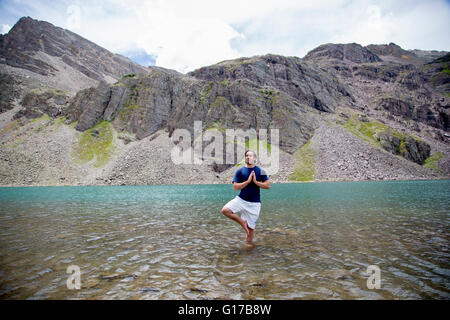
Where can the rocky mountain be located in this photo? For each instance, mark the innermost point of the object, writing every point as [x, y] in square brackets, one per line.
[38, 54]
[344, 112]
[350, 52]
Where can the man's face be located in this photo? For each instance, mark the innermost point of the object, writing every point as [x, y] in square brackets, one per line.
[250, 158]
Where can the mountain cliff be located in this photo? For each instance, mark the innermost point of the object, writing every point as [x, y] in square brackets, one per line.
[39, 54]
[344, 112]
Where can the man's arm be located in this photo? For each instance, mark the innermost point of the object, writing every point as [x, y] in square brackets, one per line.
[264, 185]
[242, 185]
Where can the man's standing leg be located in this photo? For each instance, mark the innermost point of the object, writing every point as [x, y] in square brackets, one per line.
[251, 215]
[250, 235]
[233, 216]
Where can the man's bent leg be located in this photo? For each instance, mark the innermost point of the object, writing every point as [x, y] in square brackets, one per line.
[233, 216]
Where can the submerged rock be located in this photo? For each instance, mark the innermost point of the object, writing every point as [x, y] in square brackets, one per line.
[198, 290]
[340, 274]
[150, 289]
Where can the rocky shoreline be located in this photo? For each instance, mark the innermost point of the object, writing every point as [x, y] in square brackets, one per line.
[173, 184]
[41, 153]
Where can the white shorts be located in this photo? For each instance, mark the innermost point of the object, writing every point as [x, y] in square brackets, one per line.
[249, 210]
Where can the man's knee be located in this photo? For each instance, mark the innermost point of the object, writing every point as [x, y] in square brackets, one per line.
[226, 211]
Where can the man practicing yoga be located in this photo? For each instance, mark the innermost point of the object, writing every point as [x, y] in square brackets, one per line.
[249, 180]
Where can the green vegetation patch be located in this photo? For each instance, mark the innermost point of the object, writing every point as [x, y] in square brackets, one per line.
[232, 65]
[44, 117]
[27, 131]
[446, 69]
[221, 102]
[305, 164]
[10, 126]
[49, 91]
[59, 121]
[73, 124]
[119, 84]
[442, 75]
[95, 143]
[431, 162]
[269, 94]
[134, 94]
[127, 110]
[14, 144]
[368, 131]
[206, 91]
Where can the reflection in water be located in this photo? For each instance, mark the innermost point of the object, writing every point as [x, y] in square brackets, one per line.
[312, 241]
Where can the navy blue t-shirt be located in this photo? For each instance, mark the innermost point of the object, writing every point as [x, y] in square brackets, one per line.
[251, 191]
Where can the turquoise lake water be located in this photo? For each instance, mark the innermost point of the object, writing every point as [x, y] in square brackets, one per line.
[312, 241]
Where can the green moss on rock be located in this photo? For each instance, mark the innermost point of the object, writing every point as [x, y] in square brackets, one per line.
[305, 164]
[431, 162]
[127, 110]
[95, 144]
[221, 102]
[367, 131]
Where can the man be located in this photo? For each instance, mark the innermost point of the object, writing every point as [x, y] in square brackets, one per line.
[249, 180]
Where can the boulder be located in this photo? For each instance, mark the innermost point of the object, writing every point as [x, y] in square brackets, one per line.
[38, 102]
[406, 146]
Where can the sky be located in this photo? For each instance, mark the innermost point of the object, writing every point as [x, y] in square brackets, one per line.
[187, 35]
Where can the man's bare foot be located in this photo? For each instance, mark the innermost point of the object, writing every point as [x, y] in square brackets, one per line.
[249, 245]
[250, 235]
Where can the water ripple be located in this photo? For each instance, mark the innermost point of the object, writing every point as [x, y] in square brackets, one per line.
[313, 241]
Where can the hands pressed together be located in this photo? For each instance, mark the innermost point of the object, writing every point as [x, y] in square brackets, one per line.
[252, 177]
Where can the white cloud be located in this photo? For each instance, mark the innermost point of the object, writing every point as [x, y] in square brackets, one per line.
[5, 28]
[297, 30]
[180, 36]
[185, 42]
[367, 25]
[185, 35]
[422, 25]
